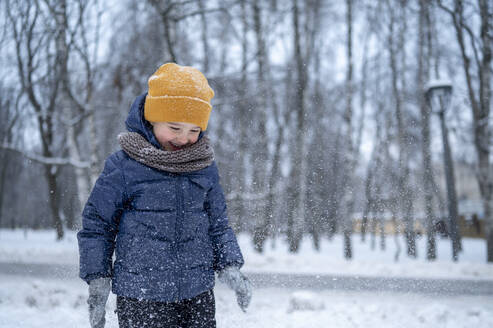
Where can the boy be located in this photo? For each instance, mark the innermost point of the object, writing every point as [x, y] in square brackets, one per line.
[159, 205]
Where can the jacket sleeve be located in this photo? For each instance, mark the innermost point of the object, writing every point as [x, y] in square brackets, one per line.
[225, 246]
[100, 219]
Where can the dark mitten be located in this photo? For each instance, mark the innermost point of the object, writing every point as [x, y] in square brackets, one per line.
[235, 280]
[99, 290]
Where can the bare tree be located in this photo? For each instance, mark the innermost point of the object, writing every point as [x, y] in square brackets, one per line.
[297, 177]
[72, 44]
[405, 192]
[171, 13]
[260, 158]
[477, 73]
[205, 41]
[303, 38]
[38, 76]
[347, 135]
[422, 74]
[245, 116]
[44, 41]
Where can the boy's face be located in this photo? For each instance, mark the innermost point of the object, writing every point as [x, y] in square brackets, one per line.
[175, 135]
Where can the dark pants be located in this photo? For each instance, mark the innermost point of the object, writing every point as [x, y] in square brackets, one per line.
[197, 312]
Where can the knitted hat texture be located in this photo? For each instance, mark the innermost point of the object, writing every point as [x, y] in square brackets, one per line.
[178, 94]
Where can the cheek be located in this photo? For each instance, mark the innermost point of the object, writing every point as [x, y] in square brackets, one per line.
[162, 136]
[194, 139]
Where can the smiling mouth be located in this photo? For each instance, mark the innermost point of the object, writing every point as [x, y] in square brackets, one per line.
[175, 147]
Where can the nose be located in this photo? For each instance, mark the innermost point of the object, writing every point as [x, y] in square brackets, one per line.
[182, 139]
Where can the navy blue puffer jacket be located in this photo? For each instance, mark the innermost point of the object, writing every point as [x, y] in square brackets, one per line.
[169, 231]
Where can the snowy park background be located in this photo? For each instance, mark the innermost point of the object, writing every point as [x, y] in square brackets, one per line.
[333, 122]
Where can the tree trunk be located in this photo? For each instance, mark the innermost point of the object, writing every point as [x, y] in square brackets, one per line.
[4, 159]
[50, 175]
[261, 141]
[168, 26]
[484, 135]
[244, 116]
[347, 135]
[80, 174]
[298, 171]
[205, 41]
[423, 72]
[405, 193]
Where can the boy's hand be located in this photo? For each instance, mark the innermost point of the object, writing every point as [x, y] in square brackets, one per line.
[99, 290]
[232, 277]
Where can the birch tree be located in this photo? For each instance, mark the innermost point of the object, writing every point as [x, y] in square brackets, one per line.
[72, 45]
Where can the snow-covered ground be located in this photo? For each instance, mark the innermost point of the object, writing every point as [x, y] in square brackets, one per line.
[40, 247]
[35, 302]
[42, 303]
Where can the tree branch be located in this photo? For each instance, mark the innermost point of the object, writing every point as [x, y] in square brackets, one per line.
[47, 160]
[194, 13]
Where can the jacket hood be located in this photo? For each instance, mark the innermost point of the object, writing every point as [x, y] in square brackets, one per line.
[137, 123]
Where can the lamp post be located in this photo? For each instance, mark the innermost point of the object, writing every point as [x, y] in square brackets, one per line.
[438, 96]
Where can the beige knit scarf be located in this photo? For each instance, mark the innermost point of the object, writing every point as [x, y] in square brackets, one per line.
[195, 157]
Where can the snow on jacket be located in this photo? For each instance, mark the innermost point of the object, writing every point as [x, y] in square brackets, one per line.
[169, 231]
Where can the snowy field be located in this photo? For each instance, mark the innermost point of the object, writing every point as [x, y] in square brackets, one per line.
[40, 247]
[35, 302]
[47, 303]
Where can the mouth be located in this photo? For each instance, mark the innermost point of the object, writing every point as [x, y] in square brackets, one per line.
[175, 147]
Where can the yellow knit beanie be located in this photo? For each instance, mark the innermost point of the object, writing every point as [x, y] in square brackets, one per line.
[178, 94]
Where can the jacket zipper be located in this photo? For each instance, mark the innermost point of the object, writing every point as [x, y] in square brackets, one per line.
[179, 218]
